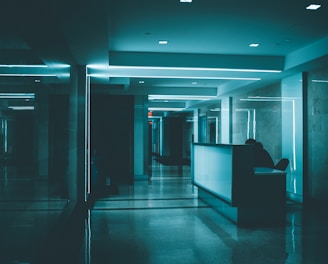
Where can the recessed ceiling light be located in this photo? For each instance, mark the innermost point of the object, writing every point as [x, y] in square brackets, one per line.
[254, 45]
[313, 7]
[194, 83]
[163, 42]
[185, 1]
[141, 82]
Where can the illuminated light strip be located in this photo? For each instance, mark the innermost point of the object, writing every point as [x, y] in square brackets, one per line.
[320, 81]
[17, 95]
[34, 66]
[28, 74]
[22, 66]
[21, 107]
[180, 97]
[174, 77]
[56, 70]
[294, 133]
[109, 67]
[165, 108]
[268, 99]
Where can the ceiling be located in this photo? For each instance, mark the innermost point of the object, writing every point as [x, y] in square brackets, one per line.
[207, 51]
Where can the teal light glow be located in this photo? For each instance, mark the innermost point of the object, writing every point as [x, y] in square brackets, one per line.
[34, 66]
[21, 107]
[53, 70]
[22, 66]
[320, 81]
[17, 95]
[165, 108]
[28, 74]
[180, 97]
[114, 67]
[174, 77]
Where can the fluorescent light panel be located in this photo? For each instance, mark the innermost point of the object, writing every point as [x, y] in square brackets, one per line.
[34, 66]
[165, 109]
[320, 81]
[268, 99]
[180, 97]
[100, 75]
[17, 95]
[27, 74]
[116, 67]
[21, 107]
[34, 70]
[313, 7]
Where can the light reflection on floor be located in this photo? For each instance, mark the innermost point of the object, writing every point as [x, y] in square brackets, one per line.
[159, 220]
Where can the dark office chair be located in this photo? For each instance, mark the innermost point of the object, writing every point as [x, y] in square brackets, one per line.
[282, 164]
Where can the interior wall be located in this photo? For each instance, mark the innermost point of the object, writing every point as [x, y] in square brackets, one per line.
[317, 135]
[112, 128]
[173, 137]
[58, 143]
[292, 131]
[262, 116]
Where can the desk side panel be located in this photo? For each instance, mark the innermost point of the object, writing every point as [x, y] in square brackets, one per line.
[212, 167]
[243, 174]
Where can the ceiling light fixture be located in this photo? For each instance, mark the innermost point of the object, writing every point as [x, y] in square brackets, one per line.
[180, 97]
[165, 108]
[268, 99]
[254, 45]
[119, 67]
[163, 42]
[55, 70]
[320, 81]
[17, 95]
[104, 75]
[21, 107]
[116, 67]
[28, 74]
[185, 1]
[313, 7]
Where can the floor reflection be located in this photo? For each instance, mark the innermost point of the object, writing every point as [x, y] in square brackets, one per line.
[155, 221]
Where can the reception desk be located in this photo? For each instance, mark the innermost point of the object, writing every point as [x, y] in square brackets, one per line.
[228, 181]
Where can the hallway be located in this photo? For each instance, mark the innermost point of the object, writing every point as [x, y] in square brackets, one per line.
[156, 221]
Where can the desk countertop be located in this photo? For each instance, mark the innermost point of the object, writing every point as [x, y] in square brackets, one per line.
[268, 171]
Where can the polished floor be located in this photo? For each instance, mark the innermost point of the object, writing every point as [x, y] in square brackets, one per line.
[151, 222]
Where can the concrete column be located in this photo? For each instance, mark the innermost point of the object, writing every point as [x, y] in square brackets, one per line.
[42, 128]
[196, 124]
[77, 135]
[226, 120]
[141, 138]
